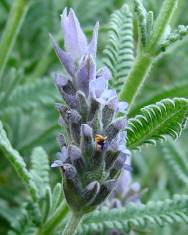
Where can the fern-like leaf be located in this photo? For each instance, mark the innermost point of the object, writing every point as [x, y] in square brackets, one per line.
[167, 117]
[179, 89]
[46, 204]
[176, 161]
[27, 220]
[154, 213]
[17, 162]
[40, 169]
[56, 197]
[28, 96]
[119, 50]
[142, 20]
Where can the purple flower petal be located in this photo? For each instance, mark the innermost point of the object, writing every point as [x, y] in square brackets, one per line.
[64, 57]
[115, 203]
[63, 155]
[86, 130]
[92, 47]
[109, 97]
[124, 150]
[113, 103]
[97, 87]
[57, 163]
[60, 80]
[120, 123]
[118, 144]
[124, 183]
[104, 72]
[86, 73]
[122, 106]
[135, 187]
[74, 152]
[74, 39]
[70, 100]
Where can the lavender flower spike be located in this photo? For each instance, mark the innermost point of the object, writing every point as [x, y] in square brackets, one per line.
[93, 151]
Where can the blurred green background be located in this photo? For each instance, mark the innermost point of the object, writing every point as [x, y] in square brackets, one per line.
[27, 95]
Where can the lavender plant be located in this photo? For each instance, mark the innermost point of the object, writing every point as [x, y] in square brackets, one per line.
[93, 151]
[98, 129]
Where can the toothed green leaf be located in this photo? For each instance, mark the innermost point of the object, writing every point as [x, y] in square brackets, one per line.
[17, 162]
[155, 122]
[159, 213]
[31, 95]
[119, 50]
[176, 161]
[40, 169]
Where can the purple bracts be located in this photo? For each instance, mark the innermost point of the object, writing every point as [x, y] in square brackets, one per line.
[93, 147]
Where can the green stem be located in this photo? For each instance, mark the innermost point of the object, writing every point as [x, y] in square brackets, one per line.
[56, 219]
[72, 225]
[163, 19]
[177, 13]
[136, 78]
[147, 55]
[15, 19]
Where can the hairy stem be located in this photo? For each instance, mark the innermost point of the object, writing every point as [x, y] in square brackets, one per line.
[177, 13]
[15, 19]
[163, 19]
[56, 219]
[147, 55]
[136, 78]
[72, 225]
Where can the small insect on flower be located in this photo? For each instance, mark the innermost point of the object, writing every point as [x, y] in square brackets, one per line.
[100, 141]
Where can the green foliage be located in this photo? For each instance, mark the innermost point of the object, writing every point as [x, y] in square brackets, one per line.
[28, 116]
[144, 21]
[119, 50]
[141, 14]
[27, 220]
[40, 170]
[170, 211]
[56, 197]
[46, 204]
[17, 162]
[30, 95]
[174, 36]
[16, 17]
[8, 213]
[176, 161]
[167, 117]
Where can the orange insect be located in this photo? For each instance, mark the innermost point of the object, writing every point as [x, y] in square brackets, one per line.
[100, 141]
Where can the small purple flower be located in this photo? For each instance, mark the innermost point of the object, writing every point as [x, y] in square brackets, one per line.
[74, 39]
[93, 150]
